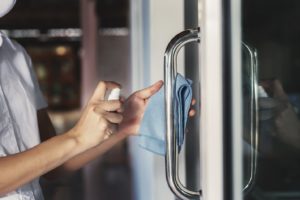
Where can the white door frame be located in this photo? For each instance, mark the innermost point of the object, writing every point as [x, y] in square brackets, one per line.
[221, 118]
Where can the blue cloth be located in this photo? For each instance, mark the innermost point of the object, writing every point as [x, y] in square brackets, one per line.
[153, 127]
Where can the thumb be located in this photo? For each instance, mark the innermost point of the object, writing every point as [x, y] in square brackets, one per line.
[149, 91]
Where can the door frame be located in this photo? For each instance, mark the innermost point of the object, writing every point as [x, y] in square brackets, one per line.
[221, 100]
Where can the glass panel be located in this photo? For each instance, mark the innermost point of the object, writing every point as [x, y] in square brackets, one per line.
[272, 28]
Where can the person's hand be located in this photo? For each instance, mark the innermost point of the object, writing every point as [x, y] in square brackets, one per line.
[135, 106]
[99, 117]
[278, 109]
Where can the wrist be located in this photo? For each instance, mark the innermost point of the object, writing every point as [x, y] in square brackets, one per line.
[75, 136]
[121, 134]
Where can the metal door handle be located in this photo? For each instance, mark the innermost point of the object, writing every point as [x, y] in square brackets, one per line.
[171, 159]
[172, 151]
[254, 117]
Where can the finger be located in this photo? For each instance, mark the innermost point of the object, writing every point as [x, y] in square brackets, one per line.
[149, 91]
[111, 129]
[113, 117]
[267, 103]
[279, 91]
[122, 99]
[192, 113]
[193, 101]
[120, 110]
[101, 88]
[112, 105]
[266, 84]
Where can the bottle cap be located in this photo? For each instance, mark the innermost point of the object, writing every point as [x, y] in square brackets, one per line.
[114, 94]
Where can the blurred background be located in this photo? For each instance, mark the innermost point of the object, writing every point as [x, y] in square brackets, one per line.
[74, 44]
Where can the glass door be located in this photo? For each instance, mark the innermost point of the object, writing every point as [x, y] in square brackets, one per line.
[221, 103]
[250, 101]
[254, 132]
[271, 28]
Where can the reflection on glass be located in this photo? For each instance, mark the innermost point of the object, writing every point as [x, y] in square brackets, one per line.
[268, 26]
[250, 105]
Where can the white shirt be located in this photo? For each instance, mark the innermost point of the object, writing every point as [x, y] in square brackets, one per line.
[20, 98]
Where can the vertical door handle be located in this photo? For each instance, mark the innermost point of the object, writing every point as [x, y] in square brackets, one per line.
[254, 140]
[172, 151]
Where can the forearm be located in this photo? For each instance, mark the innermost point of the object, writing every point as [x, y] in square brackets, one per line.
[47, 131]
[80, 160]
[23, 167]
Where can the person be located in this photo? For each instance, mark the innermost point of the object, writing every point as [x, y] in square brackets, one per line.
[279, 114]
[29, 147]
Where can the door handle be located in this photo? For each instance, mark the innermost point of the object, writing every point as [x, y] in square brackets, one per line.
[172, 151]
[254, 140]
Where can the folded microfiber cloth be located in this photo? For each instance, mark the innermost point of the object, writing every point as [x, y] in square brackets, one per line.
[153, 127]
